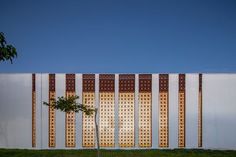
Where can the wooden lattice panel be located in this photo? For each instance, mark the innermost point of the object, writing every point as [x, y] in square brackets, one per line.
[107, 107]
[70, 116]
[126, 119]
[145, 123]
[33, 111]
[106, 83]
[51, 111]
[88, 121]
[163, 120]
[126, 83]
[145, 110]
[181, 119]
[89, 100]
[163, 110]
[126, 110]
[200, 112]
[107, 126]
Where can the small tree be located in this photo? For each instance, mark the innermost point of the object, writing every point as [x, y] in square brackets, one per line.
[7, 52]
[69, 104]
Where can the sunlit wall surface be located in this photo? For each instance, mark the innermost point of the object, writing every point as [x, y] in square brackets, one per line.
[146, 111]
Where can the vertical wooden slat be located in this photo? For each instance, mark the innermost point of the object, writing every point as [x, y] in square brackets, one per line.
[126, 110]
[163, 110]
[70, 116]
[107, 108]
[33, 111]
[88, 131]
[200, 112]
[145, 110]
[51, 111]
[181, 120]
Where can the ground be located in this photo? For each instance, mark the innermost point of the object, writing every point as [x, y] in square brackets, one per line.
[116, 153]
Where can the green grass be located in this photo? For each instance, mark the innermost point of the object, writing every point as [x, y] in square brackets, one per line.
[116, 153]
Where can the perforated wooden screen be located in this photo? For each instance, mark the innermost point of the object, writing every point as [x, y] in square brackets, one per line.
[107, 106]
[200, 112]
[181, 132]
[163, 110]
[33, 111]
[51, 111]
[145, 110]
[88, 100]
[70, 117]
[126, 110]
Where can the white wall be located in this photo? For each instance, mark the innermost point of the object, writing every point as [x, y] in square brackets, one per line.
[192, 90]
[60, 116]
[219, 111]
[155, 110]
[15, 110]
[173, 110]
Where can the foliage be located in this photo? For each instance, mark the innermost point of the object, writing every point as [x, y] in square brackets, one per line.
[7, 52]
[69, 104]
[118, 153]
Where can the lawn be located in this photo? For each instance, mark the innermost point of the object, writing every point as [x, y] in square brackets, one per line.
[116, 153]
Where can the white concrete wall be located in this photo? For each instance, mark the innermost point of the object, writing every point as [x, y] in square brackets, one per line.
[173, 110]
[155, 109]
[60, 116]
[191, 110]
[45, 122]
[15, 110]
[38, 91]
[219, 111]
[78, 120]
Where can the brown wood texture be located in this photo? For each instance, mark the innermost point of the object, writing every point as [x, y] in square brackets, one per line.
[126, 83]
[33, 111]
[88, 82]
[106, 83]
[145, 82]
[181, 120]
[163, 110]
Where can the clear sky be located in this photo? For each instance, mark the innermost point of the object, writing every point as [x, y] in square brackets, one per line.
[120, 36]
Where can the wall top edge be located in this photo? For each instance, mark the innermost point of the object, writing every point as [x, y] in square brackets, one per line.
[122, 73]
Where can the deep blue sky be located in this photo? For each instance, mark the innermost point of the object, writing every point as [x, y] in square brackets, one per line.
[120, 36]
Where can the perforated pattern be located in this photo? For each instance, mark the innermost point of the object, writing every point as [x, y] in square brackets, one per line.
[51, 111]
[181, 119]
[163, 119]
[33, 111]
[88, 83]
[70, 117]
[163, 110]
[52, 121]
[145, 119]
[107, 118]
[126, 119]
[145, 83]
[70, 126]
[106, 83]
[126, 83]
[200, 112]
[88, 121]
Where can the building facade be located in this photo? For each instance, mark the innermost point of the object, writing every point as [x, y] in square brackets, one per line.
[136, 111]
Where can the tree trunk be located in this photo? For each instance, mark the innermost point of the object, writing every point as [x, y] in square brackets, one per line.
[97, 134]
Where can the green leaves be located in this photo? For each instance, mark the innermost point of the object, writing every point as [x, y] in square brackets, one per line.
[7, 52]
[69, 105]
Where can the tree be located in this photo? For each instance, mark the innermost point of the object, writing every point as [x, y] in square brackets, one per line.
[7, 52]
[70, 105]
